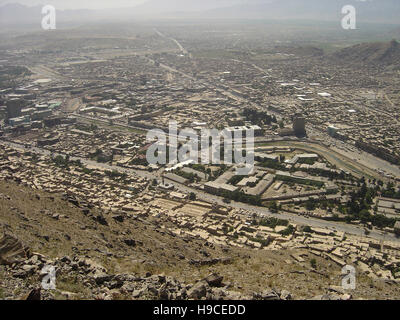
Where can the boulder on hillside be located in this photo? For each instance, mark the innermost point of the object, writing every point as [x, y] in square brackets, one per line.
[214, 280]
[12, 250]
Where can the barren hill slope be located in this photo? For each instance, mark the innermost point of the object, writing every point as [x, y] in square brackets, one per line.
[377, 53]
[125, 257]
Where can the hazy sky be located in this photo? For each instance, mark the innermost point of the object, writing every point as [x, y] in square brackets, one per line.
[78, 4]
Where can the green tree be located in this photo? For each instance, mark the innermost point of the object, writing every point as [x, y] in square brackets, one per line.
[192, 196]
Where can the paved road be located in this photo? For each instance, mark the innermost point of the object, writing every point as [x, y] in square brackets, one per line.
[358, 156]
[181, 48]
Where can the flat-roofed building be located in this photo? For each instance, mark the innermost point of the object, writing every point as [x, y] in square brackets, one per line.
[259, 156]
[262, 186]
[197, 173]
[175, 177]
[216, 188]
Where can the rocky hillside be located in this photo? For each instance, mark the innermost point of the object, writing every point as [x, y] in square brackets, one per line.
[101, 255]
[378, 53]
[302, 51]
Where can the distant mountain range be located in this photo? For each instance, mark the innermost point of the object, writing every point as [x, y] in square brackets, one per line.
[381, 11]
[168, 6]
[387, 11]
[367, 10]
[16, 14]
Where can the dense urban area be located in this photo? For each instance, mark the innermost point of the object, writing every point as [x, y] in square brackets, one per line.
[77, 190]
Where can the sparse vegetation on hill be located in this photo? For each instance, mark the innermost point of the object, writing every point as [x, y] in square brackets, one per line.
[376, 53]
[130, 259]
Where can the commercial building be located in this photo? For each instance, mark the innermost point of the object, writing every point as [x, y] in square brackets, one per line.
[258, 156]
[216, 188]
[18, 120]
[299, 125]
[14, 107]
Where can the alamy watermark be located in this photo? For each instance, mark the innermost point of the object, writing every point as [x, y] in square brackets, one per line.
[207, 146]
[348, 277]
[349, 21]
[49, 20]
[49, 277]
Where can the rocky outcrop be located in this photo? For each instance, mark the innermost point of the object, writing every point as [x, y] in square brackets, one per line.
[105, 286]
[210, 262]
[12, 250]
[214, 280]
[101, 284]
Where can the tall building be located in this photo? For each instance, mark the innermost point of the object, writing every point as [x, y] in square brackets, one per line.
[14, 107]
[299, 125]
